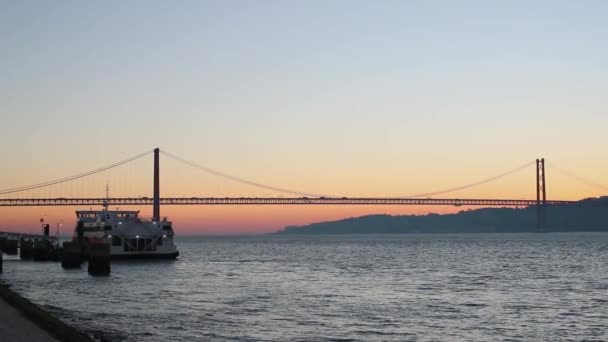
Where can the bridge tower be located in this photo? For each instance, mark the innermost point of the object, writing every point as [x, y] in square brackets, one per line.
[156, 201]
[541, 196]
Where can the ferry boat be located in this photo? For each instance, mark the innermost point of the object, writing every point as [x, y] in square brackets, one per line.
[128, 235]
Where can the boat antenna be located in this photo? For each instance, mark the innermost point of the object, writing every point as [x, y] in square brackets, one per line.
[106, 201]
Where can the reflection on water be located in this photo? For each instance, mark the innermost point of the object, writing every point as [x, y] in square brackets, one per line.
[366, 287]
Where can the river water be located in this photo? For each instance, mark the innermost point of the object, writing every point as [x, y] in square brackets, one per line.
[469, 287]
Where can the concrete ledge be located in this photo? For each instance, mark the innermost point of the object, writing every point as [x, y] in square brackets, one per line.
[41, 318]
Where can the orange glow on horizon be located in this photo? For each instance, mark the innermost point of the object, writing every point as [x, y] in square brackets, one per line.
[219, 220]
[135, 181]
[214, 219]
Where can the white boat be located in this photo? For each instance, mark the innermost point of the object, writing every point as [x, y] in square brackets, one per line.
[128, 235]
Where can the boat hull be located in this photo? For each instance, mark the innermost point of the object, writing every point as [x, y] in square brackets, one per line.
[149, 256]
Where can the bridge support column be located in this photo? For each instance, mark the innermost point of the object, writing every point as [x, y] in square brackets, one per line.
[541, 196]
[156, 203]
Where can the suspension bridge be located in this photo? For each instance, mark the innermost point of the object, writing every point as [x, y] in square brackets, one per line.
[295, 197]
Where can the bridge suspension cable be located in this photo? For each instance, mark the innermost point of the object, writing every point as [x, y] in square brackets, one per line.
[74, 177]
[472, 185]
[238, 179]
[581, 179]
[301, 193]
[266, 186]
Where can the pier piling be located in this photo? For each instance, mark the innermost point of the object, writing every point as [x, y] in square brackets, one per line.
[56, 253]
[42, 250]
[26, 248]
[99, 259]
[11, 247]
[72, 256]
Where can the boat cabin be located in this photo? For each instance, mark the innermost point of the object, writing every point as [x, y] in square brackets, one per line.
[107, 216]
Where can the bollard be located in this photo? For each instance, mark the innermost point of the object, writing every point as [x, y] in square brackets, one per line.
[99, 258]
[71, 257]
[26, 248]
[10, 247]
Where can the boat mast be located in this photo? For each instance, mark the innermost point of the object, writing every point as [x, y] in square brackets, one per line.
[106, 201]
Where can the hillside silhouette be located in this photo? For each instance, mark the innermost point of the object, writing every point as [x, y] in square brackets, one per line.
[589, 215]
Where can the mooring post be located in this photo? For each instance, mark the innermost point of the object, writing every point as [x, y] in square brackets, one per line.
[26, 248]
[156, 201]
[99, 259]
[11, 247]
[72, 255]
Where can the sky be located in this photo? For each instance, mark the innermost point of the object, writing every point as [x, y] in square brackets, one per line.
[353, 98]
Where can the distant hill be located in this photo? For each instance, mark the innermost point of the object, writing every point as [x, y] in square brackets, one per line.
[589, 215]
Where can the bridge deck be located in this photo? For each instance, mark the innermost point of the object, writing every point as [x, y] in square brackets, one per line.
[121, 201]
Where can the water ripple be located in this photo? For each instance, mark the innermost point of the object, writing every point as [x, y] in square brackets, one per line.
[511, 287]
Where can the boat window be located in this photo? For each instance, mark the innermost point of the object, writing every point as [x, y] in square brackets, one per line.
[130, 245]
[138, 245]
[107, 228]
[116, 241]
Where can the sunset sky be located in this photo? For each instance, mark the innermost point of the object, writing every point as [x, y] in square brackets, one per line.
[345, 98]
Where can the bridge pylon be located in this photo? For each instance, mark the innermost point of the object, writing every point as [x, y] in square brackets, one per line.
[156, 196]
[541, 196]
